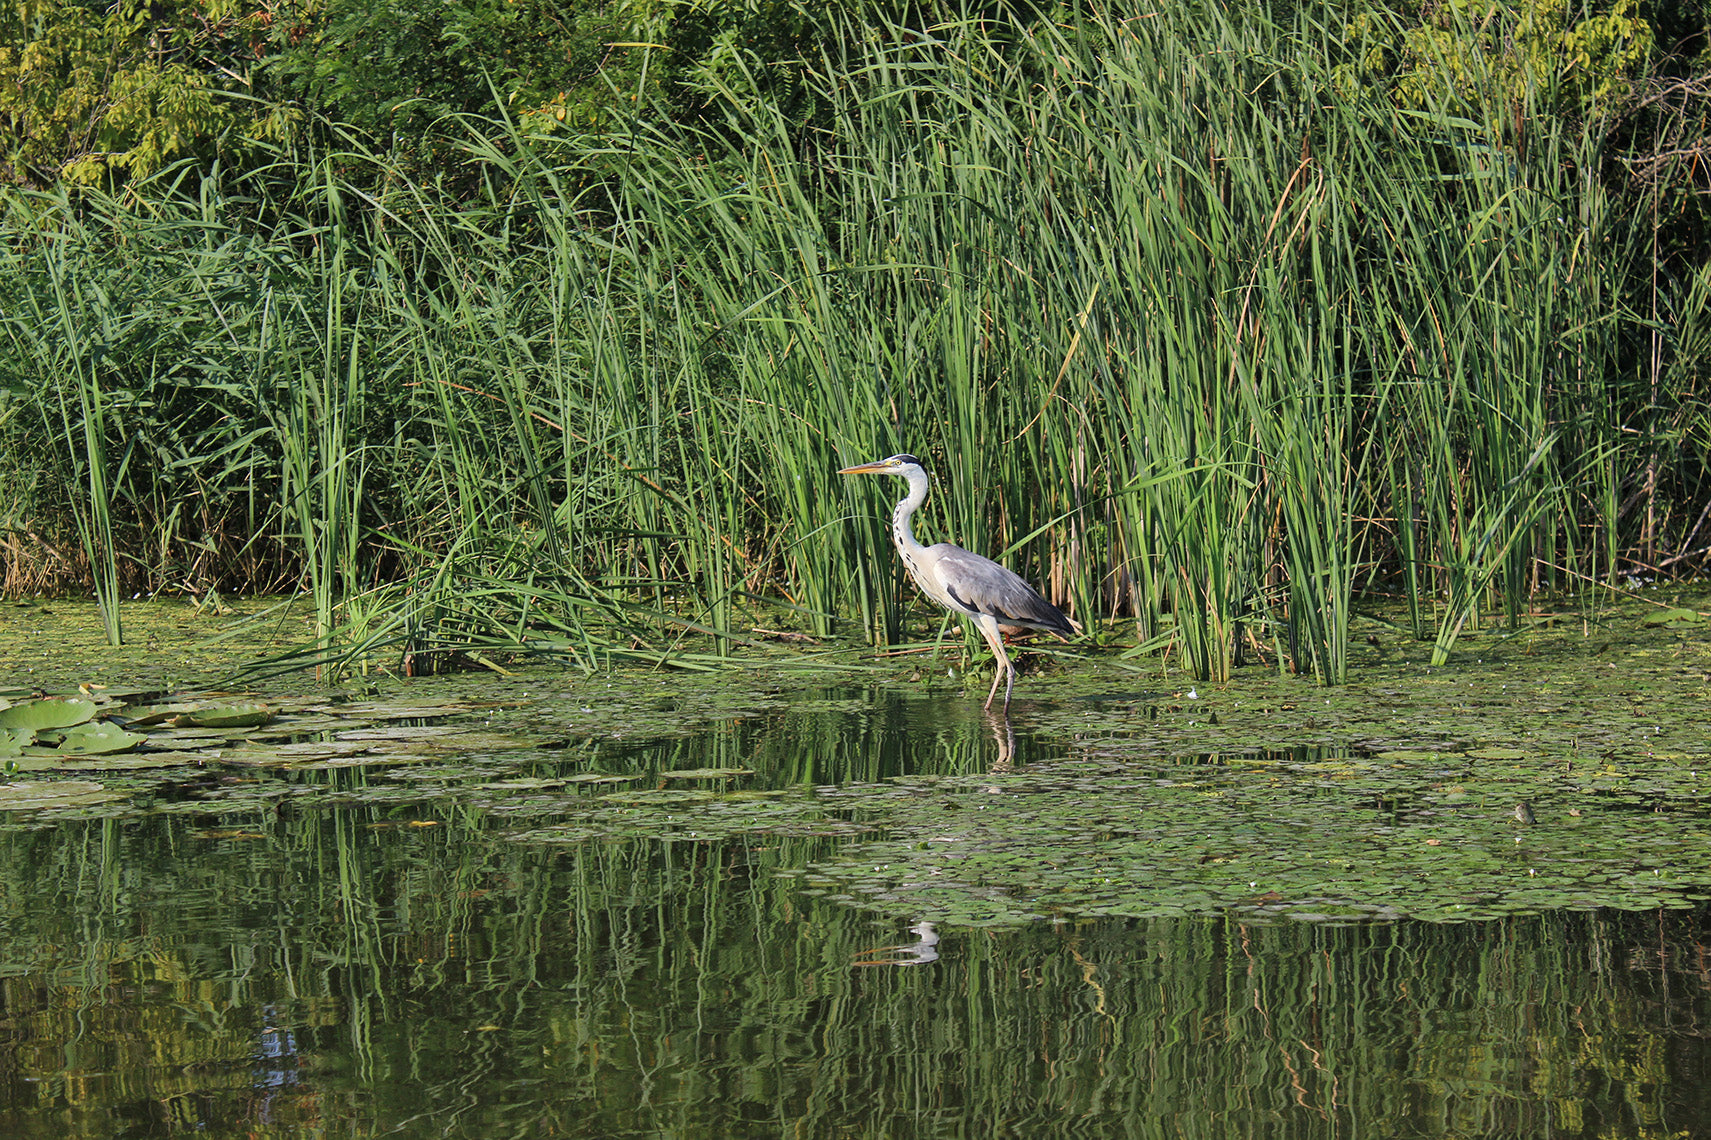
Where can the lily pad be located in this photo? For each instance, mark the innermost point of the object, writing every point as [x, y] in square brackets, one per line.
[48, 713]
[495, 742]
[99, 740]
[400, 710]
[158, 714]
[705, 773]
[284, 755]
[225, 716]
[363, 760]
[170, 758]
[288, 726]
[661, 796]
[42, 795]
[188, 737]
[1674, 618]
[121, 762]
[402, 732]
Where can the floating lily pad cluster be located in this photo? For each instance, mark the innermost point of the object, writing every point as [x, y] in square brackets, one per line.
[82, 736]
[61, 727]
[494, 751]
[49, 732]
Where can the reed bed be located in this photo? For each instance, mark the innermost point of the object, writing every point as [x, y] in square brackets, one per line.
[1206, 344]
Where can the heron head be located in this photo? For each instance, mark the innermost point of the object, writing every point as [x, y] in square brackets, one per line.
[895, 465]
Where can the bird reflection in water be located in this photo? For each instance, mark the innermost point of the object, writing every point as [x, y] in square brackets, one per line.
[923, 950]
[1005, 737]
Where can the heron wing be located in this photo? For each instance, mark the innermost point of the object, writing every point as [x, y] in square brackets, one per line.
[966, 582]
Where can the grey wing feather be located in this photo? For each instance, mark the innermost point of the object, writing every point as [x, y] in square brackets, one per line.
[979, 585]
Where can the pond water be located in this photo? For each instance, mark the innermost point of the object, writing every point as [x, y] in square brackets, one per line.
[586, 932]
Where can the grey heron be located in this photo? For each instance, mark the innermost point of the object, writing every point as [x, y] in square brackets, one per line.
[990, 596]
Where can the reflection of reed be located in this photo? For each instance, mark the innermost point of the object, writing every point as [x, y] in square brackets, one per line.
[395, 954]
[923, 950]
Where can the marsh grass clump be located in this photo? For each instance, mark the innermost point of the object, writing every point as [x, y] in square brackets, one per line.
[1199, 321]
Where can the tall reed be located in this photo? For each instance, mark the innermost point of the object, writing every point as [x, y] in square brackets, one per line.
[68, 328]
[1191, 333]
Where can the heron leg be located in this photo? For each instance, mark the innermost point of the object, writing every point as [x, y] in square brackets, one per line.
[995, 641]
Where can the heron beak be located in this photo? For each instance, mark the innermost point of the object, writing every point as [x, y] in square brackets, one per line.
[866, 468]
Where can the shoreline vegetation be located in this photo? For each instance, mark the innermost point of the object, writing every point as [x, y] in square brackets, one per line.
[1211, 324]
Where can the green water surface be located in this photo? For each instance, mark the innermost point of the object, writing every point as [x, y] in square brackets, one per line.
[831, 898]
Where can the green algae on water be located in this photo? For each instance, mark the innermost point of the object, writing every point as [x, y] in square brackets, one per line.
[1111, 791]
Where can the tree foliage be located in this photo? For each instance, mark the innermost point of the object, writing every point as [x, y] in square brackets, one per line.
[1635, 73]
[1535, 56]
[91, 93]
[393, 67]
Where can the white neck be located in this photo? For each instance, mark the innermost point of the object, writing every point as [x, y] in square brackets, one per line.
[900, 532]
